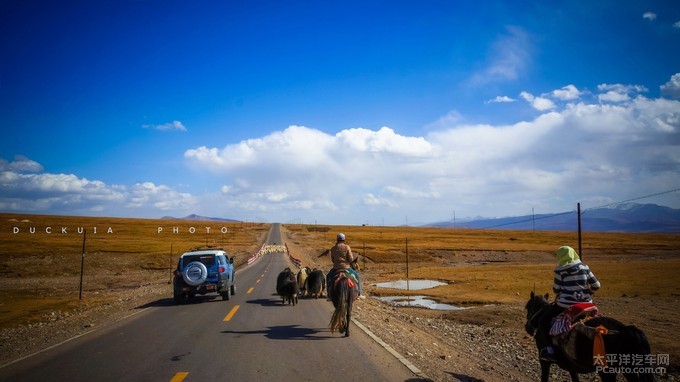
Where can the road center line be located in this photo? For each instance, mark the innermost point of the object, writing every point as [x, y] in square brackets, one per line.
[231, 313]
[249, 290]
[179, 377]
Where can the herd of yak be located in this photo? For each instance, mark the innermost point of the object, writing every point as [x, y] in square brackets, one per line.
[306, 283]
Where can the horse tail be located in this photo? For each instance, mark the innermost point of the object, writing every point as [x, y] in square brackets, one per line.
[639, 341]
[341, 294]
[639, 338]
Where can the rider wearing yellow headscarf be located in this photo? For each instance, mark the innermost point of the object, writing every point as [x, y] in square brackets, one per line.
[573, 282]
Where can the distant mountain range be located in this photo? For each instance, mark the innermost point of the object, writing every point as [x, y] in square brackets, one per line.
[201, 218]
[625, 217]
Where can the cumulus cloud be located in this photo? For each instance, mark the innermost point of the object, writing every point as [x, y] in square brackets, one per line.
[25, 187]
[20, 164]
[160, 197]
[580, 147]
[170, 126]
[618, 92]
[672, 87]
[612, 96]
[567, 93]
[676, 24]
[538, 103]
[619, 149]
[649, 16]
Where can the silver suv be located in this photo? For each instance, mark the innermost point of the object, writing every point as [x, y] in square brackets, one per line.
[203, 271]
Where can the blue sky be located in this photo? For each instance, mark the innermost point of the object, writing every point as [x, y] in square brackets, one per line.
[339, 113]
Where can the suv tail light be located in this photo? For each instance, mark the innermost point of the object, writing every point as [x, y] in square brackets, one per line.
[221, 269]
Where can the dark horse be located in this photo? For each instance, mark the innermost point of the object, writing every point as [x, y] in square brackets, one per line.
[345, 292]
[623, 342]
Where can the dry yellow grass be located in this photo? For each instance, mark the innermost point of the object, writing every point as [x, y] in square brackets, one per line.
[488, 266]
[114, 236]
[499, 268]
[40, 271]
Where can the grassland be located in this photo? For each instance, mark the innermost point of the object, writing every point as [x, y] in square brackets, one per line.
[39, 272]
[493, 265]
[497, 269]
[41, 258]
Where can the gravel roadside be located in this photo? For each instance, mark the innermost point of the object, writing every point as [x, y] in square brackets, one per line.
[488, 344]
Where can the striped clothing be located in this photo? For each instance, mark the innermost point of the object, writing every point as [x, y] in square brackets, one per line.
[574, 282]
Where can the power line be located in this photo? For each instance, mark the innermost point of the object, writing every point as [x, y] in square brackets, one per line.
[588, 209]
[530, 219]
[633, 199]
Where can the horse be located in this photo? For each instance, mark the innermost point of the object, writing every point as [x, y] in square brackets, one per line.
[345, 292]
[620, 340]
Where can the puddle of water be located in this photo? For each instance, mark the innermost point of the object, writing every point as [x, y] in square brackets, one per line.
[410, 284]
[418, 301]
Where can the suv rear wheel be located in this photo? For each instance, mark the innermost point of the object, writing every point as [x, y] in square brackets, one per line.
[178, 296]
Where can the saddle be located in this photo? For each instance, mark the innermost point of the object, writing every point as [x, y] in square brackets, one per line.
[566, 320]
[352, 281]
[566, 326]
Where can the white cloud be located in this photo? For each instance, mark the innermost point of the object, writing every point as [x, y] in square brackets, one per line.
[40, 192]
[160, 197]
[620, 88]
[676, 24]
[20, 164]
[612, 96]
[451, 118]
[509, 58]
[619, 92]
[538, 103]
[567, 93]
[383, 141]
[649, 16]
[582, 150]
[619, 149]
[672, 87]
[170, 126]
[500, 99]
[373, 200]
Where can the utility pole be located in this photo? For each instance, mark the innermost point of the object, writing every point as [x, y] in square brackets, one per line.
[82, 267]
[407, 282]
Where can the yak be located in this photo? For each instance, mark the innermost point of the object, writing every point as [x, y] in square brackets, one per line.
[316, 283]
[287, 287]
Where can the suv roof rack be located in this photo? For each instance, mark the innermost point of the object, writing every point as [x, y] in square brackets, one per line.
[207, 249]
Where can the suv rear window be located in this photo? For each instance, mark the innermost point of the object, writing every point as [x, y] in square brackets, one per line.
[207, 260]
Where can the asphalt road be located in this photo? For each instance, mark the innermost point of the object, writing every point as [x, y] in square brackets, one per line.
[252, 337]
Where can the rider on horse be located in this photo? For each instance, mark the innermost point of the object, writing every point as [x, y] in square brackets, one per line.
[343, 259]
[573, 283]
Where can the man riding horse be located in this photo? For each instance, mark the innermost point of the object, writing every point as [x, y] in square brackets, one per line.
[343, 261]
